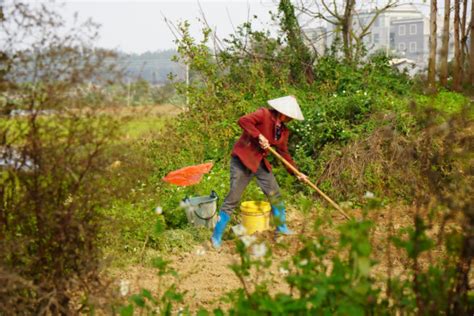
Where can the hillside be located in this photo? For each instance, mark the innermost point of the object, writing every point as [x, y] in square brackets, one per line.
[153, 67]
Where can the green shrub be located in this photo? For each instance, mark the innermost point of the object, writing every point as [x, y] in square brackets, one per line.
[363, 132]
[445, 101]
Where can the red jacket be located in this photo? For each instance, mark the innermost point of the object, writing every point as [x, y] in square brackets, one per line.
[247, 147]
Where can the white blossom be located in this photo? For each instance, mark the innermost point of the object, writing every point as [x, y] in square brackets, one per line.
[259, 250]
[369, 195]
[124, 287]
[239, 230]
[248, 240]
[200, 251]
[303, 262]
[283, 271]
[159, 210]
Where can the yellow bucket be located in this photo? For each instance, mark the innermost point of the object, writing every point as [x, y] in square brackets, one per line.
[255, 216]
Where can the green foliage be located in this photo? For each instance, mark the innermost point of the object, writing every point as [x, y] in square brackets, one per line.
[134, 227]
[53, 150]
[342, 287]
[298, 54]
[137, 127]
[445, 101]
[362, 132]
[338, 106]
[175, 240]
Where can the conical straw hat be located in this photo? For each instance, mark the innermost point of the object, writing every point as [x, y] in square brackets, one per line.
[288, 106]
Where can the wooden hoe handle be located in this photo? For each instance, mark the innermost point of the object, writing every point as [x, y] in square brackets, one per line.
[308, 182]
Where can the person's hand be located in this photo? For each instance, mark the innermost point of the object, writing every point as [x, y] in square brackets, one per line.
[263, 142]
[302, 177]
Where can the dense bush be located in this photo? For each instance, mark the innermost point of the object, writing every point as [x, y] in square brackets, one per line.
[339, 105]
[53, 163]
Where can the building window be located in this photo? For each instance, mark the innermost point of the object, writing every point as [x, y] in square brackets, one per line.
[392, 40]
[413, 29]
[376, 22]
[401, 30]
[412, 47]
[402, 47]
[376, 38]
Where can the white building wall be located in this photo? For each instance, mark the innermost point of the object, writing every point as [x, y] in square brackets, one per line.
[383, 26]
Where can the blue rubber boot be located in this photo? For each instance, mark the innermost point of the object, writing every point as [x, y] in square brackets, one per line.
[279, 213]
[216, 238]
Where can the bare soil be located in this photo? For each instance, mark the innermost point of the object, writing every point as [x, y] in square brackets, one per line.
[204, 274]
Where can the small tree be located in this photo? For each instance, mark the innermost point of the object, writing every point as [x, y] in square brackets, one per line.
[464, 36]
[344, 17]
[432, 45]
[457, 70]
[51, 146]
[471, 49]
[301, 63]
[443, 63]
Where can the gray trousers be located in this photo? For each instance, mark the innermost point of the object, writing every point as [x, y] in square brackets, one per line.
[240, 177]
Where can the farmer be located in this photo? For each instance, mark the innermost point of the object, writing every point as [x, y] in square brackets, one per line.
[261, 129]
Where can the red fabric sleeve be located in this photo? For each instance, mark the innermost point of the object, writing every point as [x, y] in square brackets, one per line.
[249, 121]
[283, 151]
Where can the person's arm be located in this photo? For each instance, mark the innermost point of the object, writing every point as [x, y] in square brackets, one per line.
[249, 122]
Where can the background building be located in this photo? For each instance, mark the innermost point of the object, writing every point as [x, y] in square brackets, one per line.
[402, 31]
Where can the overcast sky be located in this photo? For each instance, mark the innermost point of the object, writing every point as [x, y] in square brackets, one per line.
[138, 26]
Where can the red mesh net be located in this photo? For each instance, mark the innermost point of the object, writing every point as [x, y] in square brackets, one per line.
[188, 175]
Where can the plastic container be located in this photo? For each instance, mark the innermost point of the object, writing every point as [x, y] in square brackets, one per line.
[201, 210]
[255, 216]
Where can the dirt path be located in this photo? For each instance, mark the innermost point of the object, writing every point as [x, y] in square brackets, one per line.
[204, 274]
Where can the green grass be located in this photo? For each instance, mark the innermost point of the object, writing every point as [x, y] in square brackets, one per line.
[133, 232]
[446, 101]
[136, 127]
[141, 126]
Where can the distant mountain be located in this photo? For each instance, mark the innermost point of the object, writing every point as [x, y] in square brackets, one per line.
[153, 67]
